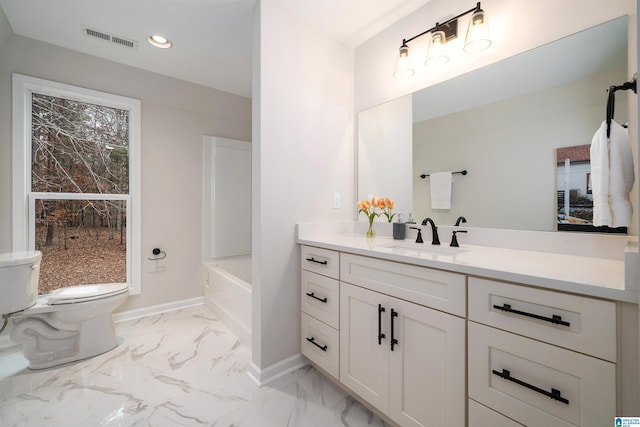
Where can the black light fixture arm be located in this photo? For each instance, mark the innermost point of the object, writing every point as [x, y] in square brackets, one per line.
[439, 25]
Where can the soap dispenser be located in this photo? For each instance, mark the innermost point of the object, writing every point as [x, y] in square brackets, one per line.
[399, 229]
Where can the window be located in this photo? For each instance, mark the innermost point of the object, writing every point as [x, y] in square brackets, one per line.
[76, 168]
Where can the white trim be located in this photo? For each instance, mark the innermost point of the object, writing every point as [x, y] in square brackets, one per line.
[262, 377]
[138, 313]
[78, 196]
[23, 87]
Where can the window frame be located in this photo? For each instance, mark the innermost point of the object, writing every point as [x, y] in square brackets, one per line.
[23, 206]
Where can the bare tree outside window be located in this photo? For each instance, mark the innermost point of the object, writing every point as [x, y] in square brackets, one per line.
[79, 148]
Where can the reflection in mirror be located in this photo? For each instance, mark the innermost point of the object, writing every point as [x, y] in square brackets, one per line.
[503, 124]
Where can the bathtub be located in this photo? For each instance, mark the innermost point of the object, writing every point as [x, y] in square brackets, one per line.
[227, 292]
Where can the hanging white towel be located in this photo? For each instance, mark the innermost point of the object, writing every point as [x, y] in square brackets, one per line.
[440, 183]
[599, 154]
[621, 176]
[612, 176]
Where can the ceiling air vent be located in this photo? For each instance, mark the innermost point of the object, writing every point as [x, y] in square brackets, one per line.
[112, 38]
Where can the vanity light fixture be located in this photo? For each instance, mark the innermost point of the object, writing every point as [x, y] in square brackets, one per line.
[477, 39]
[159, 41]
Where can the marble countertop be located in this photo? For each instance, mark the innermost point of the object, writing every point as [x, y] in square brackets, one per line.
[597, 277]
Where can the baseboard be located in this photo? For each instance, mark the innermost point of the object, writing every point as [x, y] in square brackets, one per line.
[124, 316]
[262, 377]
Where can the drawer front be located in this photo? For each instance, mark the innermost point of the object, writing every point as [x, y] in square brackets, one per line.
[320, 298]
[321, 261]
[321, 344]
[528, 369]
[481, 416]
[432, 288]
[586, 325]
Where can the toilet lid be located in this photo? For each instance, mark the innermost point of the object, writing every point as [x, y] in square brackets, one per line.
[81, 293]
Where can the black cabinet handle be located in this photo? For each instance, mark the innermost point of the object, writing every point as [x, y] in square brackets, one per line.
[313, 341]
[553, 394]
[555, 319]
[393, 340]
[380, 334]
[312, 259]
[311, 294]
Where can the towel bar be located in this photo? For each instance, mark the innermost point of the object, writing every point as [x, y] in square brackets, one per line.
[462, 172]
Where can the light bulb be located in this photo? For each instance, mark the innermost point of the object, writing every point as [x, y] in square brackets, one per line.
[437, 54]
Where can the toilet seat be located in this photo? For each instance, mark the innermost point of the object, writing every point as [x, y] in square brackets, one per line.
[83, 293]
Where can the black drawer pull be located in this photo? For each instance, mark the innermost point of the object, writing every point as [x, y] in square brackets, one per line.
[380, 334]
[553, 394]
[555, 319]
[394, 341]
[312, 259]
[311, 294]
[313, 341]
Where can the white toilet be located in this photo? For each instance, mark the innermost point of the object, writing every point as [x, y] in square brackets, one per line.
[66, 325]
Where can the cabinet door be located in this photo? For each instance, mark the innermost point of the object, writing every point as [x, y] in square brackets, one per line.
[427, 367]
[539, 384]
[364, 362]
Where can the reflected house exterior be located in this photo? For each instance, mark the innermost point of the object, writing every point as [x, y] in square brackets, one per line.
[575, 201]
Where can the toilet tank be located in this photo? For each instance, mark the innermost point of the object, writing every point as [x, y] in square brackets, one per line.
[19, 275]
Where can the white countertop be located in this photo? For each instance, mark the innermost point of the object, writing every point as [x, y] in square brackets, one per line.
[597, 277]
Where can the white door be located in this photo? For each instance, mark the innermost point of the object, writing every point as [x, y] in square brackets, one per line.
[364, 356]
[427, 367]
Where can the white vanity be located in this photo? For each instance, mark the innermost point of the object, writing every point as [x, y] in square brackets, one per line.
[476, 336]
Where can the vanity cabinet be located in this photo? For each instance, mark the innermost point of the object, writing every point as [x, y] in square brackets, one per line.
[430, 347]
[541, 358]
[319, 301]
[405, 359]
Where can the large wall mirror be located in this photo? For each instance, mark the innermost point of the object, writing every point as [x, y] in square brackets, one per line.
[503, 124]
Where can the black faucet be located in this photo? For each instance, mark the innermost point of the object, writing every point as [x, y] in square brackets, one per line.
[454, 239]
[460, 219]
[419, 238]
[434, 231]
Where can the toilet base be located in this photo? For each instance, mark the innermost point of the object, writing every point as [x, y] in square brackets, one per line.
[45, 346]
[66, 334]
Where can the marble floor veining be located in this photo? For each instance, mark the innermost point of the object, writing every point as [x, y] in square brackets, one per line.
[182, 368]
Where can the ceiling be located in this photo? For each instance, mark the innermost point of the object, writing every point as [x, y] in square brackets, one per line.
[212, 40]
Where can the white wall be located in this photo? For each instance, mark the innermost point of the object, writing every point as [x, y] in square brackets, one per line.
[516, 26]
[226, 184]
[302, 154]
[175, 116]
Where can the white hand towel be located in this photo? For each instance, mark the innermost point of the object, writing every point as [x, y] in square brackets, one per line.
[440, 183]
[621, 176]
[600, 177]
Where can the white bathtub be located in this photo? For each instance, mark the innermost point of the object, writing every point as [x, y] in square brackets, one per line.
[227, 292]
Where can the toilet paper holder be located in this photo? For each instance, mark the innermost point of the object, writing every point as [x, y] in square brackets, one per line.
[158, 254]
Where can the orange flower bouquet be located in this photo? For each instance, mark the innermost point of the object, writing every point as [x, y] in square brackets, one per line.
[370, 209]
[387, 206]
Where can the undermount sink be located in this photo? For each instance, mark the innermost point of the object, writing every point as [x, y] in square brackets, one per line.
[426, 248]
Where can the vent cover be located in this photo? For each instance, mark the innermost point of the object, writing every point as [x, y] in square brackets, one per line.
[111, 38]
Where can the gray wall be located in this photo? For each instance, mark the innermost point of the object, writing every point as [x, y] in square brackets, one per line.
[175, 116]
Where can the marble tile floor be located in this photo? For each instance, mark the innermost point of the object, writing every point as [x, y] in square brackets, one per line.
[182, 368]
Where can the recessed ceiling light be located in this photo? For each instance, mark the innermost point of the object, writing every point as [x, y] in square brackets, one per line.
[159, 41]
